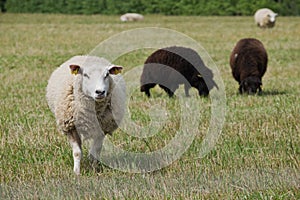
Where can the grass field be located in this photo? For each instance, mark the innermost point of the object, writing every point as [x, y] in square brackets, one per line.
[257, 155]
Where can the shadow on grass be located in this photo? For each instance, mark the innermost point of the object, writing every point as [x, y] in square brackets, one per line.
[272, 93]
[264, 93]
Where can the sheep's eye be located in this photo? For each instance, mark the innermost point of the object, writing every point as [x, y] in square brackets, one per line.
[86, 75]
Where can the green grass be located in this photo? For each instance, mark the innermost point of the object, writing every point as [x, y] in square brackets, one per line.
[256, 156]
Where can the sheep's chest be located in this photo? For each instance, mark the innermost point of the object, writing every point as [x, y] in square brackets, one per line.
[106, 119]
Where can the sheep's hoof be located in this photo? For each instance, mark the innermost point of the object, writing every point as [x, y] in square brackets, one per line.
[77, 171]
[259, 93]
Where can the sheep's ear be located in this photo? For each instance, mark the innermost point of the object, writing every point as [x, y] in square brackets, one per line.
[74, 69]
[115, 69]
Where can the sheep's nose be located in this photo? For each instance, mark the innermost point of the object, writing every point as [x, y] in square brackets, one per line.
[99, 92]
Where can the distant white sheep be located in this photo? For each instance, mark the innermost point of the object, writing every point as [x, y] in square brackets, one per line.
[265, 18]
[87, 98]
[131, 17]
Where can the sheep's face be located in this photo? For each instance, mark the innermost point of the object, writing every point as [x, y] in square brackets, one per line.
[272, 17]
[199, 83]
[250, 85]
[96, 81]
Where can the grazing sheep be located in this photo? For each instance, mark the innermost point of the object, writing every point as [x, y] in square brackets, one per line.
[248, 62]
[131, 17]
[169, 67]
[87, 99]
[265, 18]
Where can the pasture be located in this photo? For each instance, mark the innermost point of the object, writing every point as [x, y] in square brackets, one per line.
[257, 154]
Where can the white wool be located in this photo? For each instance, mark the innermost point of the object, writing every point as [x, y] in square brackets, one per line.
[131, 17]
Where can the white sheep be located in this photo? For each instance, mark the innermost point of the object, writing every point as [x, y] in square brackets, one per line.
[87, 98]
[131, 17]
[265, 18]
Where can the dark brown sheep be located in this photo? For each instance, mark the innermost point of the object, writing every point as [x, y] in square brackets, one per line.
[169, 67]
[248, 62]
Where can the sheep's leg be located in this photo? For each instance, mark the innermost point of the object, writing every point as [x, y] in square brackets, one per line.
[186, 90]
[259, 90]
[95, 150]
[241, 89]
[147, 91]
[167, 90]
[75, 142]
[146, 88]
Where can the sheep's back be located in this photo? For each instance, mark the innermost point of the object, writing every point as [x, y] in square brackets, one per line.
[261, 13]
[174, 58]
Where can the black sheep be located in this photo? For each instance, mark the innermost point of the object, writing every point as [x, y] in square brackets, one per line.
[171, 66]
[248, 62]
